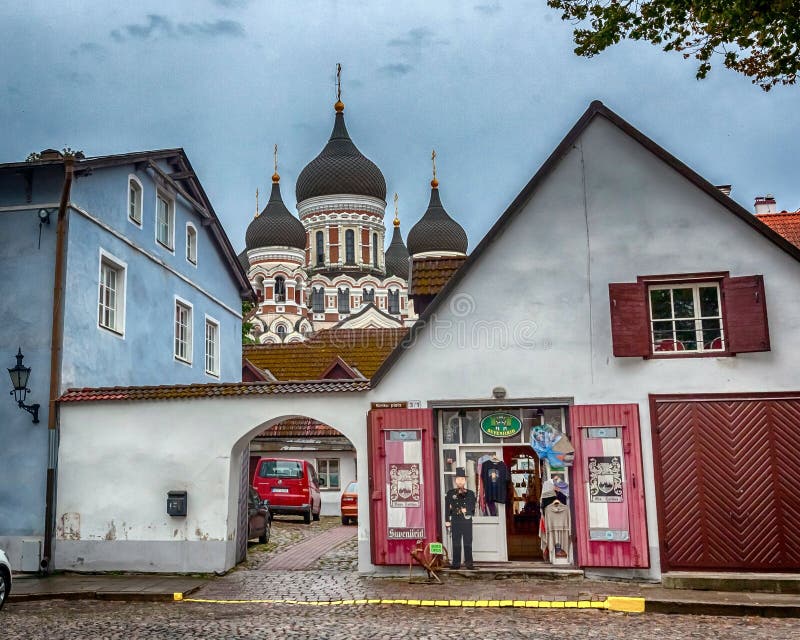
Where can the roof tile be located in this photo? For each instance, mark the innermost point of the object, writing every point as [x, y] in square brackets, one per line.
[786, 223]
[429, 275]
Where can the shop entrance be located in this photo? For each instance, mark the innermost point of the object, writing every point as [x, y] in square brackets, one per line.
[507, 529]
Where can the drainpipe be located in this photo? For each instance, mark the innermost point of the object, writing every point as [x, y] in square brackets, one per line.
[56, 349]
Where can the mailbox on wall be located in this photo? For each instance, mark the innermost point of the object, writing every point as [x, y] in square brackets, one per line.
[176, 503]
[611, 524]
[402, 483]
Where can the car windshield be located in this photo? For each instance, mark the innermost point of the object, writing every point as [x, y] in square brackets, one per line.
[352, 488]
[281, 469]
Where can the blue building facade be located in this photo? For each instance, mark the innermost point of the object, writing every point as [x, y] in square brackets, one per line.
[152, 293]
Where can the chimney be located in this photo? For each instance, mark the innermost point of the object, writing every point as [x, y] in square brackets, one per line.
[765, 204]
[725, 188]
[50, 154]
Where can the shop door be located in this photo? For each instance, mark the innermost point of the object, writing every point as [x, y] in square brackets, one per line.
[523, 511]
[728, 482]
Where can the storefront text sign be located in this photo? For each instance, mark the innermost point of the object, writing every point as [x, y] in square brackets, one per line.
[501, 425]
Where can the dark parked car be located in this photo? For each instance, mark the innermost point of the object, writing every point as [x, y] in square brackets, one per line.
[260, 517]
[5, 578]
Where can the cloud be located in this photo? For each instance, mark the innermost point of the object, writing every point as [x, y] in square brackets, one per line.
[396, 69]
[158, 26]
[91, 49]
[488, 9]
[419, 36]
[232, 4]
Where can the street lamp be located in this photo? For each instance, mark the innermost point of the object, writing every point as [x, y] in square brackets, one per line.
[19, 378]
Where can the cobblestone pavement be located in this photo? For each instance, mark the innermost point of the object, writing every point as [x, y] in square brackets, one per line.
[90, 620]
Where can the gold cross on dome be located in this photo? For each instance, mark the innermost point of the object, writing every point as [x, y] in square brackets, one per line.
[256, 203]
[433, 161]
[275, 157]
[338, 81]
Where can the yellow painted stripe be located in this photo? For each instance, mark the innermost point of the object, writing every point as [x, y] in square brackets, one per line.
[613, 603]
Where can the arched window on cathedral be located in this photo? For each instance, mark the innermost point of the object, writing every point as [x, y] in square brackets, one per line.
[260, 288]
[394, 301]
[344, 300]
[280, 289]
[318, 300]
[281, 331]
[375, 250]
[297, 292]
[350, 246]
[368, 295]
[320, 248]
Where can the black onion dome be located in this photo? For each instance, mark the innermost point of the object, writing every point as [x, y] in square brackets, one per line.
[275, 226]
[397, 256]
[436, 231]
[340, 168]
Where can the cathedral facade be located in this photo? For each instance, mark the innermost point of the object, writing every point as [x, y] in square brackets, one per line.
[328, 267]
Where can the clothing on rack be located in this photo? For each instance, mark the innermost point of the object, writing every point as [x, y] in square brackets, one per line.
[494, 474]
[558, 530]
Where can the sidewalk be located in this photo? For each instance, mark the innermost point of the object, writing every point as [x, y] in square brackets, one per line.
[152, 588]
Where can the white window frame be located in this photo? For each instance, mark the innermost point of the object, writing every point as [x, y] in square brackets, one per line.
[132, 179]
[190, 307]
[119, 313]
[214, 371]
[170, 200]
[697, 318]
[327, 472]
[191, 230]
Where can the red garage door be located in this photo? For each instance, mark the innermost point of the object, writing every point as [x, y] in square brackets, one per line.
[728, 481]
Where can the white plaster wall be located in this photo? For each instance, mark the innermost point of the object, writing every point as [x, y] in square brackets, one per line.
[117, 460]
[548, 272]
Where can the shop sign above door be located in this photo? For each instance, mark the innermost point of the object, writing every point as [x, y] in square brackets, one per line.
[501, 425]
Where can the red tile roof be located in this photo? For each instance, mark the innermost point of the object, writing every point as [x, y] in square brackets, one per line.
[361, 349]
[786, 223]
[300, 428]
[429, 275]
[169, 392]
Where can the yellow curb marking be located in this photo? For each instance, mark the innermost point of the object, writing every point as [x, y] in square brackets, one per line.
[622, 604]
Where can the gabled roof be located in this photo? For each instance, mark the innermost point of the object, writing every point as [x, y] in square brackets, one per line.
[596, 109]
[300, 428]
[429, 275]
[361, 349]
[369, 312]
[183, 179]
[786, 223]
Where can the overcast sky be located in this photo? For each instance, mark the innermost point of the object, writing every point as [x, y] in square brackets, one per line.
[492, 85]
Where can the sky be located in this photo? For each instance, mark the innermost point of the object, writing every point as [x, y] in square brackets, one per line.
[492, 85]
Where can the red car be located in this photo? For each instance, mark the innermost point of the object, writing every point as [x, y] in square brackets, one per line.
[350, 503]
[290, 486]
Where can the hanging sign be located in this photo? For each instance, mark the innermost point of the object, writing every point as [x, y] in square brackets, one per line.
[501, 425]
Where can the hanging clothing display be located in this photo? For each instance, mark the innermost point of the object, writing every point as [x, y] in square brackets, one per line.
[558, 532]
[494, 474]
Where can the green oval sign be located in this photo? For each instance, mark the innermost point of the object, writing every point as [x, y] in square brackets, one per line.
[501, 425]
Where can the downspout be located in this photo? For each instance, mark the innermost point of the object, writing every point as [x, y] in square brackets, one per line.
[56, 350]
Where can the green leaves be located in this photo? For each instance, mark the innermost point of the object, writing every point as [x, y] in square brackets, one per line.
[757, 38]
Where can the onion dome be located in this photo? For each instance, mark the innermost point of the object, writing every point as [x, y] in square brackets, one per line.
[275, 226]
[340, 168]
[244, 261]
[397, 254]
[436, 231]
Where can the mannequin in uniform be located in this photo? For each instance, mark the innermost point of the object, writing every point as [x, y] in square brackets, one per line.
[459, 509]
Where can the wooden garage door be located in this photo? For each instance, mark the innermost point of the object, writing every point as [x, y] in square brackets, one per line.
[728, 482]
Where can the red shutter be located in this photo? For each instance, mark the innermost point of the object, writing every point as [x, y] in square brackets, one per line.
[630, 319]
[746, 314]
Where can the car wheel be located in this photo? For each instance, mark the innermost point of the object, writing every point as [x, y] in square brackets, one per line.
[5, 586]
[316, 515]
[307, 517]
[345, 520]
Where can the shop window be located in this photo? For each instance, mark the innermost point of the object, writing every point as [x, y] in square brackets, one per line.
[328, 471]
[697, 314]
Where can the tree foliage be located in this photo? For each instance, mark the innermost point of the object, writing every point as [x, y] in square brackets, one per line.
[248, 311]
[756, 38]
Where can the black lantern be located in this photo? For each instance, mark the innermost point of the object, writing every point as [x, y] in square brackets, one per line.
[19, 378]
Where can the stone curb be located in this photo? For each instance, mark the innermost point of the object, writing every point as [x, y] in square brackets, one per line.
[120, 596]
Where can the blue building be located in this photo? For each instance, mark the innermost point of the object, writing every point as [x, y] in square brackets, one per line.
[115, 271]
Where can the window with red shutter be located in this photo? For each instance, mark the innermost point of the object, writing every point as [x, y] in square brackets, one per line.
[630, 319]
[746, 314]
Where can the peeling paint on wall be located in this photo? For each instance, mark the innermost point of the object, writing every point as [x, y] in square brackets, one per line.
[69, 527]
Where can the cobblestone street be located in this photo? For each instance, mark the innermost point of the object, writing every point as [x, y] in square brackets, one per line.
[333, 576]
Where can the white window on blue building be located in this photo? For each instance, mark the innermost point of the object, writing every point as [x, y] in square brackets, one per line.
[135, 200]
[183, 331]
[191, 243]
[165, 221]
[111, 295]
[212, 346]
